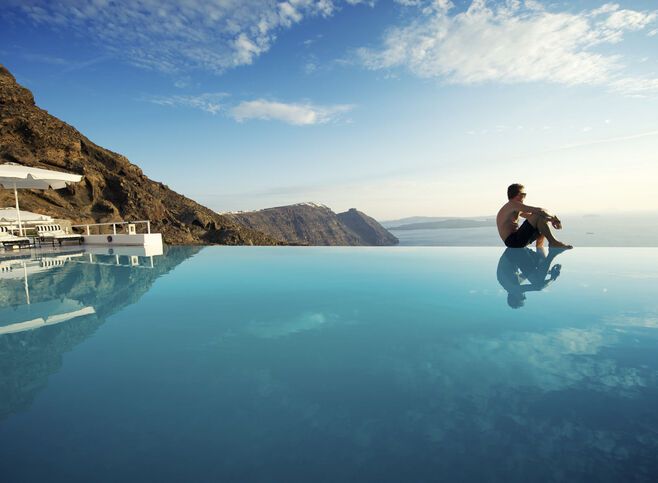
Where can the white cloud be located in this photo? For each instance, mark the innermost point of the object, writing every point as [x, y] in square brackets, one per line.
[512, 42]
[311, 41]
[611, 29]
[310, 67]
[175, 36]
[208, 102]
[308, 321]
[409, 3]
[296, 114]
[634, 320]
[629, 20]
[46, 59]
[68, 64]
[635, 86]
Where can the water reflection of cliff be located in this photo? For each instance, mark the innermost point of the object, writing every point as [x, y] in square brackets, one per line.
[74, 298]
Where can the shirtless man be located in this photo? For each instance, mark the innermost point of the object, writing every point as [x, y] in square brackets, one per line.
[534, 228]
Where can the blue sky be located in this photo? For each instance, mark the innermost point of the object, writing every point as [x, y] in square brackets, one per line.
[398, 108]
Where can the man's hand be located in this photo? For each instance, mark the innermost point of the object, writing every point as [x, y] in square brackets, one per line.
[552, 219]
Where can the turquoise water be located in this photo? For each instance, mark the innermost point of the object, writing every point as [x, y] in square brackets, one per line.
[332, 364]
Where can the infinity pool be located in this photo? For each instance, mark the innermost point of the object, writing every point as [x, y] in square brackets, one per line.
[331, 364]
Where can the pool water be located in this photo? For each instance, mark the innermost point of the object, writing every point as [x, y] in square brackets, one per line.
[332, 364]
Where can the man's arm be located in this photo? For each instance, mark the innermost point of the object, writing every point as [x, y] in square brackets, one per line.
[526, 211]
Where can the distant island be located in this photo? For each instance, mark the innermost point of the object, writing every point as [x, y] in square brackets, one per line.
[438, 223]
[316, 224]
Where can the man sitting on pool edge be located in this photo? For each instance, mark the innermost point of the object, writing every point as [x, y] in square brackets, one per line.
[534, 228]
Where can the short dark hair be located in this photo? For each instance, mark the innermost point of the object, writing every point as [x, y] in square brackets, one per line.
[515, 300]
[513, 190]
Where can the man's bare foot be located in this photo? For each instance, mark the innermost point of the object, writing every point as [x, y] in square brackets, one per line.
[555, 271]
[559, 244]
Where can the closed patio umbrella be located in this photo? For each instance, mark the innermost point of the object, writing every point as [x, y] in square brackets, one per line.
[18, 176]
[10, 215]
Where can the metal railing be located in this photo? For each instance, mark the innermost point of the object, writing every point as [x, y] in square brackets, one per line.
[114, 224]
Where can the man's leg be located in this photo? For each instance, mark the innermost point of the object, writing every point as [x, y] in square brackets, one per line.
[539, 243]
[541, 224]
[546, 258]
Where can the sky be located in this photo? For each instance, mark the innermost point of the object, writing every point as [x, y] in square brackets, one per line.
[397, 108]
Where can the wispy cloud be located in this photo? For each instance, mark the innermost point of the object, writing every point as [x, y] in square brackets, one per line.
[311, 41]
[208, 102]
[68, 65]
[512, 42]
[615, 139]
[297, 114]
[46, 59]
[635, 86]
[645, 320]
[173, 36]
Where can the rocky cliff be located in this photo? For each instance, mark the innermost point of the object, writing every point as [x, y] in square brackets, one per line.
[369, 231]
[113, 189]
[313, 224]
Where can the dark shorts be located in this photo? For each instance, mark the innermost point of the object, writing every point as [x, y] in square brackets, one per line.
[522, 237]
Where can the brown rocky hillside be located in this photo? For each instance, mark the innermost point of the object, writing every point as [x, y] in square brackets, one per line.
[369, 231]
[313, 224]
[113, 189]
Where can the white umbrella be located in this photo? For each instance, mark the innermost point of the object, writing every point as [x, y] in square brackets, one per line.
[17, 176]
[9, 215]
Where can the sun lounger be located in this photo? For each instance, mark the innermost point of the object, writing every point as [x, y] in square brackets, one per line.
[9, 240]
[55, 233]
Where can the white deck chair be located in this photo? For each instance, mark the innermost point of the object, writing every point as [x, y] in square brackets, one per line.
[55, 233]
[9, 240]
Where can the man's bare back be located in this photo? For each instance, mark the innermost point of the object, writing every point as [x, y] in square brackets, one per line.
[507, 219]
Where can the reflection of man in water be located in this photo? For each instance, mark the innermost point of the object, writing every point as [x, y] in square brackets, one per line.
[522, 270]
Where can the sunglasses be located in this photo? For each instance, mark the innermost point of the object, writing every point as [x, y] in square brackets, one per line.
[523, 194]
